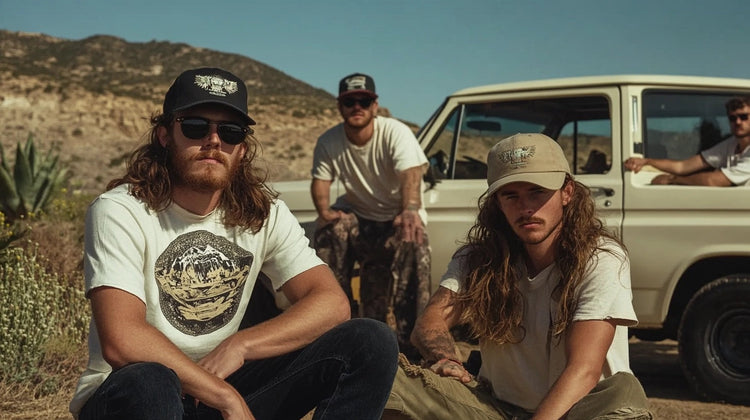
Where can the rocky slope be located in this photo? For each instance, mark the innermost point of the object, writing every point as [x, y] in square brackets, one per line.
[90, 101]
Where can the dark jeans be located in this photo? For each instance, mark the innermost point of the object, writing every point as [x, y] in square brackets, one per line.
[347, 373]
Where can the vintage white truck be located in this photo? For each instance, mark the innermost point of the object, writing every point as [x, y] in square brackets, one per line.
[689, 246]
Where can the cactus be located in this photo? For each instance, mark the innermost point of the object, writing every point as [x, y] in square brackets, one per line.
[28, 187]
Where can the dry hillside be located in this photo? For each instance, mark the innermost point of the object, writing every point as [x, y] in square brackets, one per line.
[90, 100]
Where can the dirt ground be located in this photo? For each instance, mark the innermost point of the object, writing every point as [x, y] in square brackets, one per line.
[654, 363]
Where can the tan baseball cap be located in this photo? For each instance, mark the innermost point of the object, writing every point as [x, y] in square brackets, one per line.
[526, 157]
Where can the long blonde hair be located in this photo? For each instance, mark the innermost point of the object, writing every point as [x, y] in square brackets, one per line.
[490, 296]
[246, 203]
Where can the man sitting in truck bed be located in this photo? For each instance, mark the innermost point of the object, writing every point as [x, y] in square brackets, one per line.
[724, 165]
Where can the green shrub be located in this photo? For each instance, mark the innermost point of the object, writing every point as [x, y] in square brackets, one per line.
[37, 309]
[10, 232]
[28, 186]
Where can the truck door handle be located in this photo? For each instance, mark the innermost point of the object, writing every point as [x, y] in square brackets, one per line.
[608, 192]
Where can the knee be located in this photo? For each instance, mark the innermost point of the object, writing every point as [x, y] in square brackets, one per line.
[137, 391]
[621, 392]
[629, 386]
[375, 340]
[150, 379]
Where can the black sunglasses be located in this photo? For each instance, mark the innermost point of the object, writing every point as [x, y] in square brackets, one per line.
[363, 102]
[198, 127]
[733, 117]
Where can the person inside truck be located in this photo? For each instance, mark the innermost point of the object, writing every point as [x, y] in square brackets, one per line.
[172, 252]
[380, 221]
[546, 290]
[723, 165]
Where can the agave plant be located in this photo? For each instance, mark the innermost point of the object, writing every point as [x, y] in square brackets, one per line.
[28, 186]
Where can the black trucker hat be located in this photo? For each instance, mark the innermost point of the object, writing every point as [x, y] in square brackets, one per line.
[205, 86]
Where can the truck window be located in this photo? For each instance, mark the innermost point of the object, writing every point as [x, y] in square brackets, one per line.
[591, 144]
[581, 125]
[679, 124]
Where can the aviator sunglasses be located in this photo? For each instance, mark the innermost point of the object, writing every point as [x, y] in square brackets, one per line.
[198, 127]
[363, 102]
[734, 117]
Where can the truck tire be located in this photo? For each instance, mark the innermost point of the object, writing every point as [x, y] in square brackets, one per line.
[714, 340]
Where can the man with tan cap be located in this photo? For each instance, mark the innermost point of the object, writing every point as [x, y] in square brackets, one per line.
[546, 290]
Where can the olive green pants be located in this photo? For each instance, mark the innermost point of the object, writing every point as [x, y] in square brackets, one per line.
[420, 394]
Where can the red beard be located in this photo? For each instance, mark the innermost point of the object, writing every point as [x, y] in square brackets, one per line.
[188, 171]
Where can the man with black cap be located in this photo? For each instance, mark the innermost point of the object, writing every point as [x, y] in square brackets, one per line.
[546, 290]
[380, 221]
[172, 252]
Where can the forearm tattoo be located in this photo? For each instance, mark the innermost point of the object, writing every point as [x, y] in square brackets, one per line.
[438, 344]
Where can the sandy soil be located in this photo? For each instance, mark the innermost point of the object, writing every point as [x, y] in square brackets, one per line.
[656, 365]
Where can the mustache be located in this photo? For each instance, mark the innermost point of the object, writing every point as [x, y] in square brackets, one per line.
[522, 220]
[211, 154]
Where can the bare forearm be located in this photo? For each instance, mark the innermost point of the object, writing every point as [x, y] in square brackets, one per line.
[126, 338]
[296, 327]
[569, 388]
[431, 334]
[314, 311]
[687, 166]
[435, 343]
[321, 195]
[411, 180]
[586, 347]
[714, 178]
[667, 165]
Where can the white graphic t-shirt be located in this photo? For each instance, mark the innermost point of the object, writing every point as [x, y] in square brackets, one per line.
[194, 274]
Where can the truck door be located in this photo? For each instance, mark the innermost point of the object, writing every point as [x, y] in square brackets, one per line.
[585, 122]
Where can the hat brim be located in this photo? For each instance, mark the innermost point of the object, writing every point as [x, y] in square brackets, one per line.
[360, 91]
[245, 117]
[548, 180]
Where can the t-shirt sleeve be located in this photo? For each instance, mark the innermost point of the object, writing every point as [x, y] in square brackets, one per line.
[113, 248]
[407, 153]
[738, 174]
[605, 292]
[289, 251]
[322, 162]
[454, 275]
[716, 156]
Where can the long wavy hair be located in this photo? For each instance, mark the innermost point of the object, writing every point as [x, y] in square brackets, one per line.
[491, 298]
[245, 203]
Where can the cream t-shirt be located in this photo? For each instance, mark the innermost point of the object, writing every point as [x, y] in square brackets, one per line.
[522, 373]
[735, 166]
[370, 173]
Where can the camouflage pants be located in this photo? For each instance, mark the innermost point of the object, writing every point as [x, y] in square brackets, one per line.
[394, 275]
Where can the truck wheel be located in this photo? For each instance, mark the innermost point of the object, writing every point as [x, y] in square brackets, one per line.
[714, 340]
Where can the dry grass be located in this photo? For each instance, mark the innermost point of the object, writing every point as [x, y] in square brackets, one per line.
[49, 399]
[57, 237]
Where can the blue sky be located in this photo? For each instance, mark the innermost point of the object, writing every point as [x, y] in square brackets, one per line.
[419, 51]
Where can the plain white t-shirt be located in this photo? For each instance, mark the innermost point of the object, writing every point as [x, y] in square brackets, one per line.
[370, 173]
[522, 373]
[718, 158]
[194, 274]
